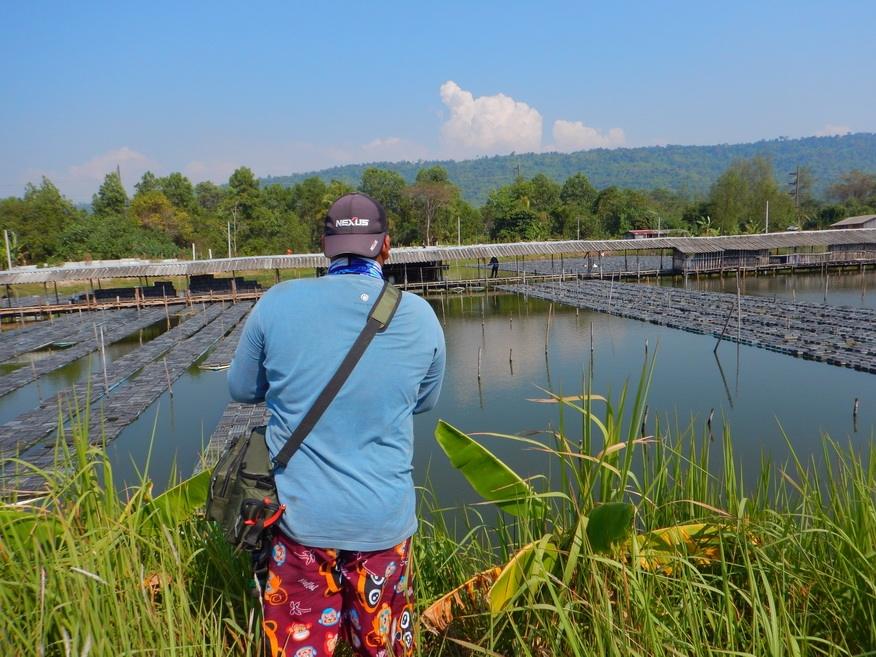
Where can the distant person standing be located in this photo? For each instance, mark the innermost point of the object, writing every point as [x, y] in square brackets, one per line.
[494, 267]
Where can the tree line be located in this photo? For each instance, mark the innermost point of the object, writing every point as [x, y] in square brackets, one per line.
[687, 169]
[167, 215]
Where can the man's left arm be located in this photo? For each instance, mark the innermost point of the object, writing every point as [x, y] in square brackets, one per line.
[430, 387]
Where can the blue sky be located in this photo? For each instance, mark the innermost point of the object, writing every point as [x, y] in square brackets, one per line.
[290, 87]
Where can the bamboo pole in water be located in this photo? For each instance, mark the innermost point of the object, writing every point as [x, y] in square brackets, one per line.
[167, 374]
[103, 362]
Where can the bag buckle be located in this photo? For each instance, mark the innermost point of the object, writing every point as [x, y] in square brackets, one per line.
[276, 510]
[257, 516]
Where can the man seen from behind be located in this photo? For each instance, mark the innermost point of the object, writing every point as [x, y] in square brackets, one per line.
[339, 567]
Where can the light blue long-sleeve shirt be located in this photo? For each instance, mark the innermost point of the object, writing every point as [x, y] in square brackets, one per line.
[349, 485]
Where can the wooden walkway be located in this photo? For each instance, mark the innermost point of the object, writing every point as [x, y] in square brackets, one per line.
[112, 412]
[118, 304]
[837, 335]
[220, 358]
[87, 341]
[237, 420]
[37, 335]
[29, 428]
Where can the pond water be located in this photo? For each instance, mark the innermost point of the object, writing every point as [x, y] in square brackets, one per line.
[762, 395]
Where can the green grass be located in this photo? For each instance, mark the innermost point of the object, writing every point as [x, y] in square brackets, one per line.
[793, 572]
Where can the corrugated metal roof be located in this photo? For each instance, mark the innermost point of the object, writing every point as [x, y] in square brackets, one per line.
[855, 221]
[409, 255]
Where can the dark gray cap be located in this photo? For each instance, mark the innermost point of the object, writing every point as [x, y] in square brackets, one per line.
[355, 224]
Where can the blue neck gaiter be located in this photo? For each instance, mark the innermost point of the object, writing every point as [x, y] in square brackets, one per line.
[355, 265]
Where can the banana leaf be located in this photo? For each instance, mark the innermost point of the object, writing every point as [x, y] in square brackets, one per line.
[26, 523]
[608, 524]
[526, 570]
[489, 476]
[177, 504]
[438, 615]
[657, 549]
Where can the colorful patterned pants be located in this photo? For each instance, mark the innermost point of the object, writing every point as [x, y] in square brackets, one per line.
[315, 597]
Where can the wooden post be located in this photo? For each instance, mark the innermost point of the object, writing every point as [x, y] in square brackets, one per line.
[55, 285]
[738, 310]
[547, 331]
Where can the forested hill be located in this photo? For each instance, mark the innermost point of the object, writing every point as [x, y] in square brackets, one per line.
[690, 169]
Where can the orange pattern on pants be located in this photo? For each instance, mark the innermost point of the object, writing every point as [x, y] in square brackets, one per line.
[317, 596]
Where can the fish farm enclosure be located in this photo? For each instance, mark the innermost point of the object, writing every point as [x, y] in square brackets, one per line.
[146, 369]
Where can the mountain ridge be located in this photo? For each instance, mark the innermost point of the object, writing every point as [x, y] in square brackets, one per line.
[686, 169]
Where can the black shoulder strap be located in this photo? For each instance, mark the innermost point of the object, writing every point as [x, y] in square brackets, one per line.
[378, 319]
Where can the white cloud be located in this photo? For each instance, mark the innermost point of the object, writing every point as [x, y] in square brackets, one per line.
[131, 163]
[489, 124]
[832, 129]
[80, 181]
[575, 136]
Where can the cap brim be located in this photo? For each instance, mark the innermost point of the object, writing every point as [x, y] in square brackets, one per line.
[364, 245]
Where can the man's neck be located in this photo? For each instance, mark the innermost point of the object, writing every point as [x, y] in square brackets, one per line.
[356, 265]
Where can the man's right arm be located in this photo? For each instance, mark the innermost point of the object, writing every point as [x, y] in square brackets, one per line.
[247, 379]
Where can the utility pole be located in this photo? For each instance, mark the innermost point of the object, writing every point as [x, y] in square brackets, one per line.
[229, 239]
[767, 227]
[458, 232]
[579, 227]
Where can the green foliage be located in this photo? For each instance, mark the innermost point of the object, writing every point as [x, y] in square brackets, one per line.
[431, 196]
[87, 572]
[153, 210]
[432, 203]
[37, 222]
[620, 210]
[111, 198]
[103, 237]
[208, 196]
[149, 182]
[578, 192]
[739, 197]
[785, 566]
[387, 187]
[608, 524]
[489, 476]
[179, 191]
[855, 185]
